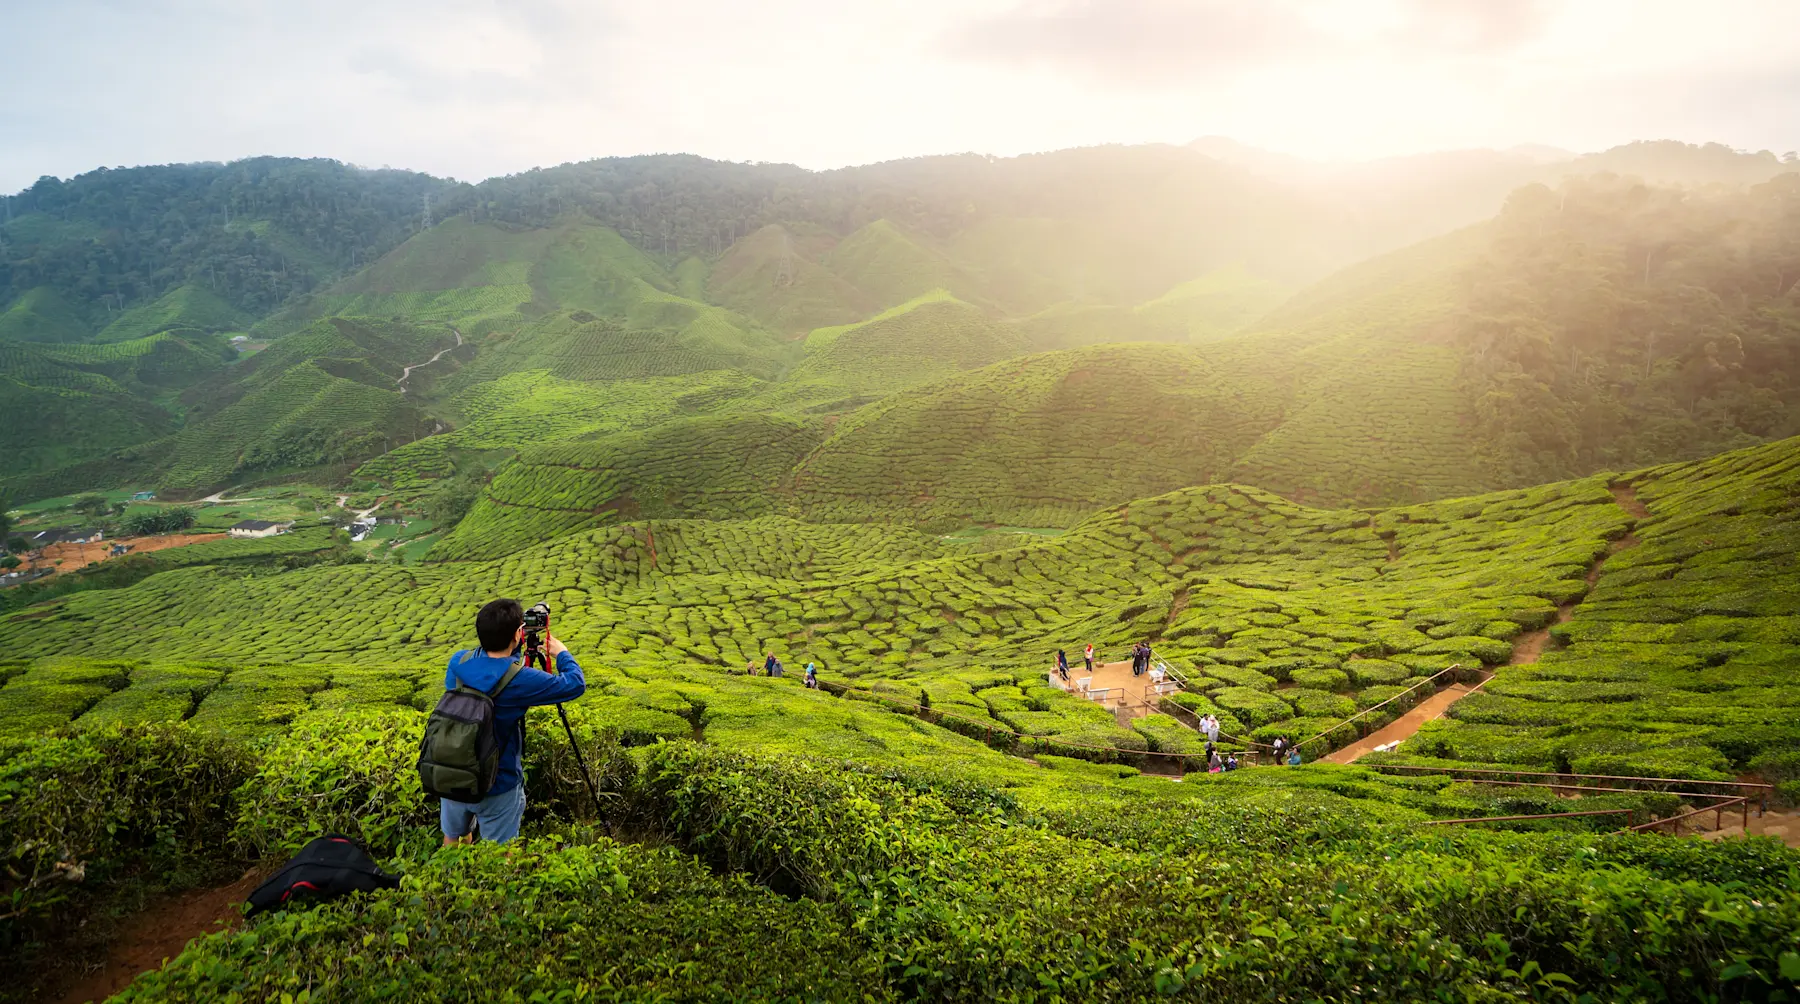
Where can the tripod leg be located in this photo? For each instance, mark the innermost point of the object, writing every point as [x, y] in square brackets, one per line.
[580, 761]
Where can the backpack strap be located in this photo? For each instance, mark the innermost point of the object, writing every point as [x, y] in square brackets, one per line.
[461, 657]
[507, 677]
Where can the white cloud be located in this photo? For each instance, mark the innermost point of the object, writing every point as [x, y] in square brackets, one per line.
[472, 88]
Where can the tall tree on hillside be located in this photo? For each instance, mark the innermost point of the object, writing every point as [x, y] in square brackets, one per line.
[1613, 324]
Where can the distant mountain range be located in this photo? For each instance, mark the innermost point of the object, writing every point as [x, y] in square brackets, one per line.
[957, 338]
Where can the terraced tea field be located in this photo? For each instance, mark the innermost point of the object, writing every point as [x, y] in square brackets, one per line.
[1286, 619]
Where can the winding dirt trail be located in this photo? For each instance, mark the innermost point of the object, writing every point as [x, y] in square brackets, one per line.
[406, 371]
[1527, 647]
[219, 497]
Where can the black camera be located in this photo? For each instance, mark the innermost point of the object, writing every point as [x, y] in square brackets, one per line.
[537, 625]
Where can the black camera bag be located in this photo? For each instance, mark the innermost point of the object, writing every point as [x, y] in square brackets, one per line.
[325, 869]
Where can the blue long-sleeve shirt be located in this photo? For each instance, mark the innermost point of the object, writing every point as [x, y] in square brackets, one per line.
[529, 689]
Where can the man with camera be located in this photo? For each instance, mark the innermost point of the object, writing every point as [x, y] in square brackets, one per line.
[504, 628]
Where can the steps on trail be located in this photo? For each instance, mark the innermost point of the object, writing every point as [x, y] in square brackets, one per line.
[1783, 826]
[1124, 692]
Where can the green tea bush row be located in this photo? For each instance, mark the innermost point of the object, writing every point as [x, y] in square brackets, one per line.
[83, 815]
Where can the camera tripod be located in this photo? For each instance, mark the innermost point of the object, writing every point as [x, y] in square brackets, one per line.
[535, 656]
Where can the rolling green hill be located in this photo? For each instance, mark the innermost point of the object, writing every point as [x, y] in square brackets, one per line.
[67, 403]
[458, 271]
[182, 307]
[923, 339]
[42, 315]
[1039, 440]
[1216, 305]
[323, 397]
[774, 276]
[577, 345]
[1420, 374]
[1284, 616]
[890, 266]
[1074, 325]
[714, 467]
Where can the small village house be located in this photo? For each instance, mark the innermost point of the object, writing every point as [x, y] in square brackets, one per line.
[258, 528]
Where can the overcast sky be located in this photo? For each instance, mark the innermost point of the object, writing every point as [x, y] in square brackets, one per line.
[470, 88]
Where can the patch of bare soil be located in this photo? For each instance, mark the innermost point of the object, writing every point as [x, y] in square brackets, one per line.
[75, 557]
[158, 934]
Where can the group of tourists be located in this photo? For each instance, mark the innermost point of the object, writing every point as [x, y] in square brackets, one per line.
[1140, 661]
[772, 667]
[1286, 752]
[1209, 726]
[1140, 658]
[1217, 763]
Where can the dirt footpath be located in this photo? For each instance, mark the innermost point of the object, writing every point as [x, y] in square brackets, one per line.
[75, 557]
[160, 933]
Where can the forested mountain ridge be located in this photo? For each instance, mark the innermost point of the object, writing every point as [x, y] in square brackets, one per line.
[1389, 381]
[252, 233]
[1614, 324]
[256, 233]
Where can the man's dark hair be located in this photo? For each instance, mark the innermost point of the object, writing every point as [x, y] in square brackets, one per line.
[498, 624]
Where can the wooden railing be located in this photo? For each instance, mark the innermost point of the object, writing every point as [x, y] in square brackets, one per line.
[1629, 814]
[1432, 680]
[1047, 744]
[1717, 809]
[1748, 789]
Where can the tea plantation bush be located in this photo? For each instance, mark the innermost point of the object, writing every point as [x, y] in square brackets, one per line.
[81, 816]
[964, 906]
[1246, 591]
[352, 773]
[546, 921]
[923, 865]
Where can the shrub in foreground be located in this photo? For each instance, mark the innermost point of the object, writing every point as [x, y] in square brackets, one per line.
[352, 772]
[535, 921]
[80, 815]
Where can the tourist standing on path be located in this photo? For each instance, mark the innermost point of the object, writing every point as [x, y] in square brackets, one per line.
[497, 668]
[1231, 761]
[1210, 725]
[769, 665]
[812, 677]
[1062, 664]
[1090, 658]
[1280, 746]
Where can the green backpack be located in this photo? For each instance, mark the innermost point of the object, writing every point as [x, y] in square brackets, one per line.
[459, 758]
